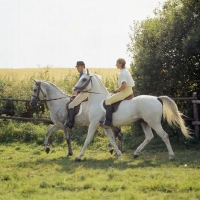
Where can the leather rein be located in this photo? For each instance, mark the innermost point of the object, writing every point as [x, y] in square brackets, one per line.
[38, 92]
[81, 89]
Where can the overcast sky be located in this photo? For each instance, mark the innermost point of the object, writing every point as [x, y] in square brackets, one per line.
[57, 33]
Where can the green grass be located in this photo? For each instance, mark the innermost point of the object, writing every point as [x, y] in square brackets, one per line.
[27, 172]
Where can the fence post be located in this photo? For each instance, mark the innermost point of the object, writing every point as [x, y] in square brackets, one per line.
[196, 117]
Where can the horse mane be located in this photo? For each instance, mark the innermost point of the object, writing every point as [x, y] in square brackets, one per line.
[52, 84]
[99, 77]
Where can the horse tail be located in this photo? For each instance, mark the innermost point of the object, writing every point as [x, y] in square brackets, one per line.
[172, 115]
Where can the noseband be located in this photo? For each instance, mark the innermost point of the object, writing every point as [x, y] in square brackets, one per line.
[80, 89]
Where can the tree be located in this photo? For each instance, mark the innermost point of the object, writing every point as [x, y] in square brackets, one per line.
[166, 50]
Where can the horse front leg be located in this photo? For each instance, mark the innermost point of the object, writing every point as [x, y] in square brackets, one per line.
[110, 135]
[91, 130]
[68, 140]
[48, 133]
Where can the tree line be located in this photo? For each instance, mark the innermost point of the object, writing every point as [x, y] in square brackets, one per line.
[165, 50]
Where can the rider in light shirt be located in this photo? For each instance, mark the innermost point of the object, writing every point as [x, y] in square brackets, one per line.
[125, 84]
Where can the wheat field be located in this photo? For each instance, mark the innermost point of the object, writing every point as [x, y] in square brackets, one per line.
[56, 73]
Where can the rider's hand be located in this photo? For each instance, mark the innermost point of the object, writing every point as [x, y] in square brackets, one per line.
[74, 92]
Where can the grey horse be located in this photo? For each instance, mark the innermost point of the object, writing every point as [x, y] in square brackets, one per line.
[56, 102]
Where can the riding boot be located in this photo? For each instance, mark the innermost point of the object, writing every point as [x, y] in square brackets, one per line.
[107, 123]
[71, 118]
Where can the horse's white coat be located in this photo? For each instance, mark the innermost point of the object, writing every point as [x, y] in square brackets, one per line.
[58, 112]
[147, 108]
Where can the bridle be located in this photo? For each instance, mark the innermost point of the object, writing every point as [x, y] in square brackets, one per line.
[38, 92]
[80, 89]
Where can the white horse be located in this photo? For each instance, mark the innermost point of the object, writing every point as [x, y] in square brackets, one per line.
[149, 109]
[56, 101]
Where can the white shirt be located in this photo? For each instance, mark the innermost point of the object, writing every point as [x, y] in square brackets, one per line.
[125, 76]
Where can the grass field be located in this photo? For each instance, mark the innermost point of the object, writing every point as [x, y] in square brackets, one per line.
[27, 172]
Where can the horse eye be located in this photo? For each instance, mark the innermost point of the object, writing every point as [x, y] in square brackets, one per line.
[84, 79]
[35, 90]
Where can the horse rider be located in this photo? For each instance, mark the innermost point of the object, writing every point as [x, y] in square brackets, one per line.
[125, 83]
[80, 66]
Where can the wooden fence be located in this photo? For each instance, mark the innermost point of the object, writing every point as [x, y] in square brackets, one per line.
[194, 121]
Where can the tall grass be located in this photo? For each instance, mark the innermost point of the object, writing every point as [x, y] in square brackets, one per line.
[18, 83]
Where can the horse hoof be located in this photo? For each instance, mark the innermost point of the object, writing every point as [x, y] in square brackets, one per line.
[77, 159]
[47, 150]
[70, 154]
[171, 157]
[111, 151]
[119, 157]
[135, 156]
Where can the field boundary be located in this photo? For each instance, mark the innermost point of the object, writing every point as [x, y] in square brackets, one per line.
[194, 121]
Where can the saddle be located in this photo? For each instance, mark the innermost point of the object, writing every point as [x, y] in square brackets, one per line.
[116, 105]
[76, 108]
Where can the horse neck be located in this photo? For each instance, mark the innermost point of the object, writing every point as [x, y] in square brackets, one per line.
[52, 92]
[97, 87]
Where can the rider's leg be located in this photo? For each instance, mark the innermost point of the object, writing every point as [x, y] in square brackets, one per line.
[113, 99]
[71, 118]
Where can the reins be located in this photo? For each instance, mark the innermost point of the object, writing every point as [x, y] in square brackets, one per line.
[53, 99]
[83, 87]
[45, 100]
[92, 92]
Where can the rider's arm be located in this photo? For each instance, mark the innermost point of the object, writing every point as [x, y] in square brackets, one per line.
[122, 87]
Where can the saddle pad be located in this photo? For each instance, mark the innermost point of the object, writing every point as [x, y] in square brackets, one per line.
[114, 105]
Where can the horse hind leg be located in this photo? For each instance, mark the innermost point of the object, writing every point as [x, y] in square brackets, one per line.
[148, 137]
[159, 130]
[110, 135]
[68, 140]
[118, 135]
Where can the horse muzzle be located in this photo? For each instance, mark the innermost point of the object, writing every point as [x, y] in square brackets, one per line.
[33, 102]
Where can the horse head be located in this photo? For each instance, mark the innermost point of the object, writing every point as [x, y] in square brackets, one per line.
[84, 83]
[38, 93]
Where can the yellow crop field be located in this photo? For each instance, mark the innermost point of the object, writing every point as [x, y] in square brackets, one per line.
[54, 73]
[18, 83]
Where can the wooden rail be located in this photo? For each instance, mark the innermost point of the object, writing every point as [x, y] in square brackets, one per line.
[26, 119]
[9, 99]
[194, 121]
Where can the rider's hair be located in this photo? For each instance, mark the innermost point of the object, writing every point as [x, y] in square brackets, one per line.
[122, 62]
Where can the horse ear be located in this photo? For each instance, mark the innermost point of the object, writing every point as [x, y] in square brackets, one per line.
[34, 80]
[88, 73]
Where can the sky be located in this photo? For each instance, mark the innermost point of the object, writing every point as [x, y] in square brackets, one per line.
[58, 33]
